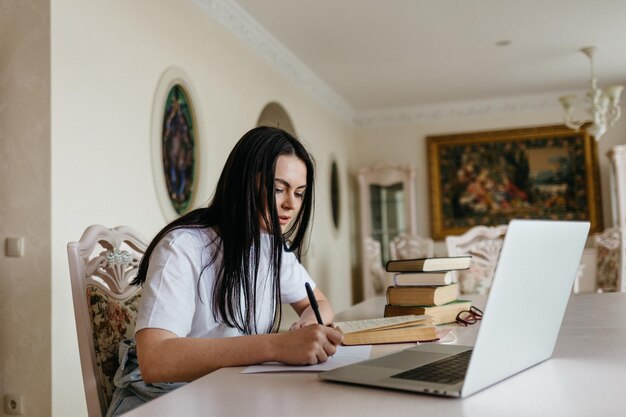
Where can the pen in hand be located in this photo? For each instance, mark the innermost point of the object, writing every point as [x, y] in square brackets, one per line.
[313, 302]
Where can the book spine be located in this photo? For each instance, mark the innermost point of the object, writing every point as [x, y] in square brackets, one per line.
[422, 295]
[410, 295]
[395, 310]
[426, 279]
[444, 314]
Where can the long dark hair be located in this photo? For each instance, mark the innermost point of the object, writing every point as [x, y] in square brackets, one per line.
[244, 191]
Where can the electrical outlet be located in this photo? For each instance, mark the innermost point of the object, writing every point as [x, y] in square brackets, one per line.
[14, 404]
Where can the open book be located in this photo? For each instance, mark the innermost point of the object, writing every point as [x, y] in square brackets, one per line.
[387, 330]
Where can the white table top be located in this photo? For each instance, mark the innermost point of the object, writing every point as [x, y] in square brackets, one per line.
[585, 377]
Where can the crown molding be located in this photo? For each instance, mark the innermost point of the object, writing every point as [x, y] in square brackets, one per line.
[236, 20]
[455, 110]
[251, 33]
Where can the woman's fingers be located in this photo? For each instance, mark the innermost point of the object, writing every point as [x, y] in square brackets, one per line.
[309, 344]
[334, 335]
[329, 349]
[322, 356]
[331, 338]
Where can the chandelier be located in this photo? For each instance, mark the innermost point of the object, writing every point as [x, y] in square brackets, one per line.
[603, 104]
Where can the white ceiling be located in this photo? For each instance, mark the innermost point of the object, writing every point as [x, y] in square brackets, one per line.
[380, 55]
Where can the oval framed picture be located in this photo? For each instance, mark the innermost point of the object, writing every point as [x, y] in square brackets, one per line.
[175, 144]
[335, 194]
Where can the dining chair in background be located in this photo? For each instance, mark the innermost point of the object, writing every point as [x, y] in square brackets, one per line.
[378, 279]
[609, 253]
[483, 243]
[407, 246]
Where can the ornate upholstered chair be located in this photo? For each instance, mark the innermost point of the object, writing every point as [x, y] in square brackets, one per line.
[378, 282]
[483, 243]
[406, 246]
[609, 268]
[102, 264]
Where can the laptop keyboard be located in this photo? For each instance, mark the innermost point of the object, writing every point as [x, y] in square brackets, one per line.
[448, 370]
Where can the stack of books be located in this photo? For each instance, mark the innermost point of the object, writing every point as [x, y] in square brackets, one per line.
[425, 286]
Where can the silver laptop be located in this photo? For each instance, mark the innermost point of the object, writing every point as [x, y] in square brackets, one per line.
[522, 317]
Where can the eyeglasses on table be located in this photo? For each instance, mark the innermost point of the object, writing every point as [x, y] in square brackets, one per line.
[469, 317]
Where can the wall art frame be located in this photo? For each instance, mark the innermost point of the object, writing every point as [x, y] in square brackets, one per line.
[175, 143]
[488, 178]
[335, 194]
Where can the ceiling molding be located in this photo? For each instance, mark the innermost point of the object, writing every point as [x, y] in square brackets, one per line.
[254, 35]
[251, 33]
[411, 115]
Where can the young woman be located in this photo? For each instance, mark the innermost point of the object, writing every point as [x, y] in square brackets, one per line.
[214, 279]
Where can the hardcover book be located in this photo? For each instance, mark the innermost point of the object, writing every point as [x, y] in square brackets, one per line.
[422, 295]
[442, 314]
[401, 329]
[423, 278]
[429, 264]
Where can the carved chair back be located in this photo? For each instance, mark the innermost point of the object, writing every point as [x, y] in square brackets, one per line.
[102, 264]
[406, 246]
[483, 243]
[609, 259]
[373, 262]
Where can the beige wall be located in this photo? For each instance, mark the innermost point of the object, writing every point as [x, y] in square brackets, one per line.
[107, 58]
[25, 202]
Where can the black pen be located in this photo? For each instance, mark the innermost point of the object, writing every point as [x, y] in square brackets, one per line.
[313, 302]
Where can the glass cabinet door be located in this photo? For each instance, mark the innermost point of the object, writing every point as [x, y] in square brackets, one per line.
[387, 209]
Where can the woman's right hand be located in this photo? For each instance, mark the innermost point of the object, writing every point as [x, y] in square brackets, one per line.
[308, 345]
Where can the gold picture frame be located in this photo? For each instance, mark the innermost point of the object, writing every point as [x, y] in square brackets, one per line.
[488, 178]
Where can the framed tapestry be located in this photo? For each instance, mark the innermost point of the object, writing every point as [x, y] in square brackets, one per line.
[489, 178]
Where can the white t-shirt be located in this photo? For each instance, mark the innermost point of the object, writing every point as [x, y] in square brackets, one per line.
[175, 297]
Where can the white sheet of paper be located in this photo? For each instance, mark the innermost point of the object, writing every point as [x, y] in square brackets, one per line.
[345, 355]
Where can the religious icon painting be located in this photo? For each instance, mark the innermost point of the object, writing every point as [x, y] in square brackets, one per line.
[178, 143]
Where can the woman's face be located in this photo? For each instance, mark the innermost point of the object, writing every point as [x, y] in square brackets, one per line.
[289, 187]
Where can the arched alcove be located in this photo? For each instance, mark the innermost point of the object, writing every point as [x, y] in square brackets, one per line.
[275, 115]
